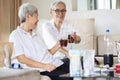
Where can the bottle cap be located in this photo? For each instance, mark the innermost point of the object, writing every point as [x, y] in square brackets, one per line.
[16, 66]
[107, 30]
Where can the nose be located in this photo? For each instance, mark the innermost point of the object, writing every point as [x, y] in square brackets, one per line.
[60, 13]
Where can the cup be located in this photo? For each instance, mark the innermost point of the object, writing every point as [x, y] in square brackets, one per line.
[88, 62]
[75, 63]
[63, 42]
[108, 59]
[70, 39]
[117, 68]
[111, 73]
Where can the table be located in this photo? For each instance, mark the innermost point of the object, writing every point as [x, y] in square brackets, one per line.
[110, 75]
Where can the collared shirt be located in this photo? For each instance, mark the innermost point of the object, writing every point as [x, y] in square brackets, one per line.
[51, 35]
[32, 46]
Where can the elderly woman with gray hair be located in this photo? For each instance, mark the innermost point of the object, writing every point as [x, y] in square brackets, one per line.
[54, 30]
[57, 28]
[29, 49]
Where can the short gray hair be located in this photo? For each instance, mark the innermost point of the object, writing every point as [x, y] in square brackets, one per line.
[24, 9]
[55, 3]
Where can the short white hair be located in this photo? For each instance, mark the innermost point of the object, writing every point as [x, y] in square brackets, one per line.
[55, 3]
[24, 9]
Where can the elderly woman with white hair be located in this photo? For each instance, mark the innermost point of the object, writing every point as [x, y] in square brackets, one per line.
[29, 49]
[55, 29]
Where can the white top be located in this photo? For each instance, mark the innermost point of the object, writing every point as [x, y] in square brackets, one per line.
[32, 46]
[51, 35]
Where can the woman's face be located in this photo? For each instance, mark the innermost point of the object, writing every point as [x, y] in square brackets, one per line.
[32, 20]
[59, 13]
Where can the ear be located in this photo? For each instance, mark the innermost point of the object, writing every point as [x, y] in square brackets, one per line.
[27, 16]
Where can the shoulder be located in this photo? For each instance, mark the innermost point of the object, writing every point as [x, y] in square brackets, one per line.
[68, 22]
[14, 32]
[47, 25]
[14, 35]
[17, 33]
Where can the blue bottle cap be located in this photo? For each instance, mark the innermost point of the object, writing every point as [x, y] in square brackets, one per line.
[107, 30]
[16, 66]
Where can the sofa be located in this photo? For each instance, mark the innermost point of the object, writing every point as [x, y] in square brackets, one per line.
[85, 27]
[89, 40]
[16, 74]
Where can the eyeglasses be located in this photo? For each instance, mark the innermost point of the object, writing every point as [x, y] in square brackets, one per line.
[57, 11]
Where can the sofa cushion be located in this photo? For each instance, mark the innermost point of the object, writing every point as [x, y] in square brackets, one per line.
[2, 52]
[84, 27]
[101, 61]
[19, 74]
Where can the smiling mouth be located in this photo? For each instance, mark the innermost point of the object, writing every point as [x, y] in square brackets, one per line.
[60, 17]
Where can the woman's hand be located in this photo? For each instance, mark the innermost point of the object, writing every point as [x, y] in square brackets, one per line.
[49, 67]
[76, 38]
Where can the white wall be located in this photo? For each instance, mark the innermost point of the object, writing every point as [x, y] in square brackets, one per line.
[44, 7]
[103, 18]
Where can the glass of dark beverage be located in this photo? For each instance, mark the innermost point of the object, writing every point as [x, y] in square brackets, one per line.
[70, 39]
[63, 42]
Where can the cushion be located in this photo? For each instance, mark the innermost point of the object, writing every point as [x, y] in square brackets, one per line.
[101, 61]
[84, 27]
[2, 52]
[19, 74]
[43, 77]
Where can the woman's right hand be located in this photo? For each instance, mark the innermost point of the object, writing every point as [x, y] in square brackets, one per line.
[49, 67]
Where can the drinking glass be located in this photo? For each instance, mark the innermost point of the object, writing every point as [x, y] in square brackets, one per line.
[64, 39]
[63, 42]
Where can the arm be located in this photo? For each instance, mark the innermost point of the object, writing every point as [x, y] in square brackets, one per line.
[32, 63]
[56, 48]
[64, 51]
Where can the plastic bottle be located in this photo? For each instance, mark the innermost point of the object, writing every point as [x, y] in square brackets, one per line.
[118, 50]
[119, 57]
[107, 41]
[108, 56]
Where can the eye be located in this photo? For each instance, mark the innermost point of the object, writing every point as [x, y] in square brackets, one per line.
[63, 10]
[57, 10]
